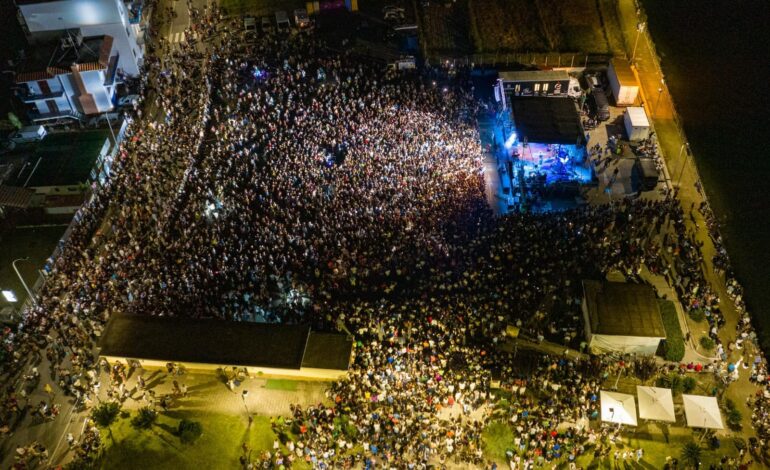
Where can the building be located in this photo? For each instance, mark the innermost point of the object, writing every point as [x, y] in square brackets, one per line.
[551, 83]
[621, 317]
[71, 78]
[262, 348]
[127, 22]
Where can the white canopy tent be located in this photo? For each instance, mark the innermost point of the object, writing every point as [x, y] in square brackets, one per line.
[655, 403]
[618, 408]
[702, 412]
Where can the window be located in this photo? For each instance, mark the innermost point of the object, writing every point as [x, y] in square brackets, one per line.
[517, 88]
[537, 87]
[545, 88]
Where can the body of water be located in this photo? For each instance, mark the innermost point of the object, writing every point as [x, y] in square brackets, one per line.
[716, 58]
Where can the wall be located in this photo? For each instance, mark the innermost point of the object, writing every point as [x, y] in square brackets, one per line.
[304, 373]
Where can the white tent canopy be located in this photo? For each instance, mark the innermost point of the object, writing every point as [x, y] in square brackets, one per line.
[655, 403]
[618, 408]
[702, 412]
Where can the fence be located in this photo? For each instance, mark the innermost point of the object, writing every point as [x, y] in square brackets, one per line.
[533, 59]
[642, 16]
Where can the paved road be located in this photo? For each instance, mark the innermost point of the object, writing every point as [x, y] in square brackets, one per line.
[659, 103]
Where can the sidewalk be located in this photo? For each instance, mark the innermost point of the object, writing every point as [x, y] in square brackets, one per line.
[684, 176]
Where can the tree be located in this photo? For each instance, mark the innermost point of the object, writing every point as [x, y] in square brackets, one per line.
[691, 454]
[707, 343]
[189, 431]
[105, 415]
[688, 384]
[144, 418]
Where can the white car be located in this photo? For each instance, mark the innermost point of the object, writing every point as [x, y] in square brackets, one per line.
[28, 134]
[128, 100]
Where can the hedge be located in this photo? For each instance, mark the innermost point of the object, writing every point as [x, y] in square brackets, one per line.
[674, 350]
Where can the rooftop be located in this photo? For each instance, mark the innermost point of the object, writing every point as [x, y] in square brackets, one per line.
[50, 59]
[533, 75]
[623, 72]
[623, 309]
[547, 120]
[175, 339]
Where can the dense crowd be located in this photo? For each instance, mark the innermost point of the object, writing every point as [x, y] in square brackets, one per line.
[289, 182]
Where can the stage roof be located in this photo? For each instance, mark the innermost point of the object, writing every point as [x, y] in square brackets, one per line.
[623, 309]
[533, 76]
[174, 339]
[547, 120]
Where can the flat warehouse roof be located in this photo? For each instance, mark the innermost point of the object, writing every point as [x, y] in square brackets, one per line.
[623, 309]
[173, 339]
[547, 120]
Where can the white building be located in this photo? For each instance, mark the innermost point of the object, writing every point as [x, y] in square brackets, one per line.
[71, 79]
[126, 22]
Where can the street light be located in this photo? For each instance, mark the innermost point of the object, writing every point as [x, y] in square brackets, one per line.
[639, 29]
[684, 146]
[26, 288]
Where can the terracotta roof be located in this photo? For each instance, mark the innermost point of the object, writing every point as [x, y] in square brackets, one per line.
[49, 72]
[88, 66]
[104, 51]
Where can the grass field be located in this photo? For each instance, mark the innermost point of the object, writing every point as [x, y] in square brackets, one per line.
[657, 442]
[159, 448]
[500, 26]
[279, 384]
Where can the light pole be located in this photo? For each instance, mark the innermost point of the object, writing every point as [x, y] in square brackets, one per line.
[657, 102]
[26, 288]
[684, 146]
[639, 30]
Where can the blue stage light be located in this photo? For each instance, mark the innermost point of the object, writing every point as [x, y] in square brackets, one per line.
[510, 141]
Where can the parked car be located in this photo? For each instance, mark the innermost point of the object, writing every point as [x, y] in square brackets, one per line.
[602, 106]
[28, 134]
[267, 25]
[301, 19]
[282, 21]
[250, 25]
[128, 100]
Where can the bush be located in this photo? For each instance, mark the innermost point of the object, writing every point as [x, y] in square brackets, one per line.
[144, 418]
[734, 419]
[734, 416]
[697, 315]
[645, 367]
[707, 343]
[672, 381]
[688, 384]
[80, 463]
[674, 346]
[189, 431]
[106, 413]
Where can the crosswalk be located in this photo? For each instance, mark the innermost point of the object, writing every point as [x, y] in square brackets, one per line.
[181, 36]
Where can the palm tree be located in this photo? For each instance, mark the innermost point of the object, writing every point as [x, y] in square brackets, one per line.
[691, 453]
[105, 415]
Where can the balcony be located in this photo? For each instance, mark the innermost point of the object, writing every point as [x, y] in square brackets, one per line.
[64, 114]
[27, 96]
